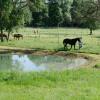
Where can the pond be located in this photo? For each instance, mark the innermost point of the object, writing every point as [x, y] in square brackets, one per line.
[26, 63]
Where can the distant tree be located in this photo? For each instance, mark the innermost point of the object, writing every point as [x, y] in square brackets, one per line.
[90, 14]
[45, 18]
[39, 12]
[75, 13]
[27, 16]
[65, 6]
[55, 13]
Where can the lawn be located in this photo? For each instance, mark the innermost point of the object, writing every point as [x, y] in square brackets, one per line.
[80, 84]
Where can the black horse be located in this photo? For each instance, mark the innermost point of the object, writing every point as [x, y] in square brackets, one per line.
[18, 36]
[72, 42]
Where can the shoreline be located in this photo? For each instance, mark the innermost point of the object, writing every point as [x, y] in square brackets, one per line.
[92, 59]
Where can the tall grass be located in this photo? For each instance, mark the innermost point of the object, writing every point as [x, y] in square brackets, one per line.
[82, 84]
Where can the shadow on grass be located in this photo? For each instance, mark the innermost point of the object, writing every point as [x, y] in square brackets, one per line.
[97, 36]
[62, 49]
[67, 49]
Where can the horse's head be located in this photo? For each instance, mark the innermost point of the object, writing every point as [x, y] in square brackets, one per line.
[80, 42]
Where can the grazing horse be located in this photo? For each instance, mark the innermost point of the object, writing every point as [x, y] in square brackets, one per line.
[72, 42]
[36, 33]
[18, 36]
[4, 36]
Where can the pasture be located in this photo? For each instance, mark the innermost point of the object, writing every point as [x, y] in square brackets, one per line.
[80, 84]
[51, 39]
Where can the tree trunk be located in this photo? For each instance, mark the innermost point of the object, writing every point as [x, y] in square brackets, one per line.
[8, 36]
[1, 35]
[91, 33]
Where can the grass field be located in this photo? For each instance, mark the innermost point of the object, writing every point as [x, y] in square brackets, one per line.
[80, 84]
[49, 39]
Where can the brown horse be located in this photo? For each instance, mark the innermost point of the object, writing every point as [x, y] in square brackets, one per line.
[72, 42]
[18, 36]
[4, 36]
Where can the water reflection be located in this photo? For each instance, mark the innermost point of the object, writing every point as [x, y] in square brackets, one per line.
[25, 63]
[15, 62]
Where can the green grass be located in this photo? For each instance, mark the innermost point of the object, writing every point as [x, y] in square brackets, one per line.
[82, 84]
[49, 39]
[97, 66]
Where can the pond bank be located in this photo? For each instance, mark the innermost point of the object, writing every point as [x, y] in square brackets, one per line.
[92, 58]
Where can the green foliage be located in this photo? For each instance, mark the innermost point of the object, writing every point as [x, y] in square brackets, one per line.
[84, 13]
[55, 14]
[39, 12]
[89, 14]
[76, 12]
[12, 14]
[5, 10]
[65, 6]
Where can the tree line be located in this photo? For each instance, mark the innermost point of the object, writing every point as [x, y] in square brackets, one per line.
[67, 13]
[48, 13]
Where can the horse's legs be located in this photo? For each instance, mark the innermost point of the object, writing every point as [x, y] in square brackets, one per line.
[64, 47]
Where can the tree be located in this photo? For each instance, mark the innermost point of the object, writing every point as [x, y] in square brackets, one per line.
[90, 14]
[65, 6]
[5, 10]
[18, 17]
[39, 12]
[12, 14]
[86, 12]
[76, 13]
[55, 13]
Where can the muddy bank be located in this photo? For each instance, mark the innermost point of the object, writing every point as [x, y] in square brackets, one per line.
[92, 58]
[42, 52]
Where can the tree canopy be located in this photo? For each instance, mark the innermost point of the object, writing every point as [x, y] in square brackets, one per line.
[67, 13]
[13, 13]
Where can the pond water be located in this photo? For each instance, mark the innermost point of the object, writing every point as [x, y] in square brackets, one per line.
[19, 62]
